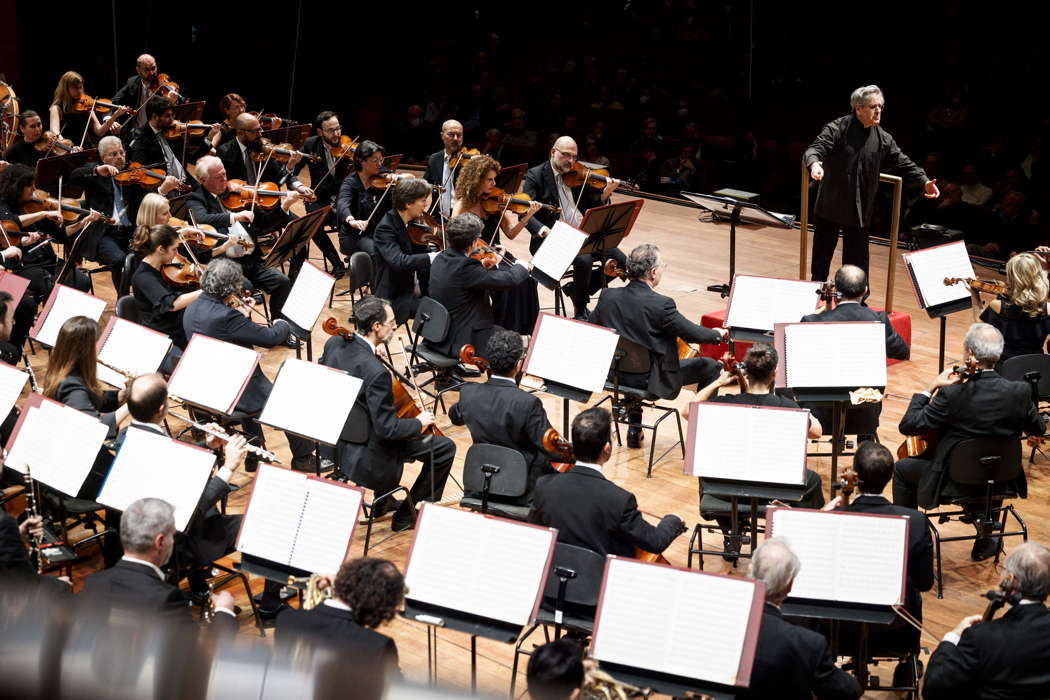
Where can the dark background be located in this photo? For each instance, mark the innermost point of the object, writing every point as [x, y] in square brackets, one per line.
[765, 72]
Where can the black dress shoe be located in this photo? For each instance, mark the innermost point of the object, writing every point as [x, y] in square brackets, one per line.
[904, 674]
[384, 509]
[293, 343]
[986, 548]
[635, 437]
[401, 524]
[338, 272]
[303, 464]
[269, 617]
[463, 371]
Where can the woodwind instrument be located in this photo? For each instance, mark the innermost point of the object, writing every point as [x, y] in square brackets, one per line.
[314, 594]
[225, 437]
[122, 372]
[36, 556]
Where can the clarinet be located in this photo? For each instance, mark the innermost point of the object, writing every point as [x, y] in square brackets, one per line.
[38, 541]
[32, 377]
[254, 449]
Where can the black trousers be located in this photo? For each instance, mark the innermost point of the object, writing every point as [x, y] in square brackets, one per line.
[321, 240]
[267, 279]
[694, 372]
[111, 251]
[586, 281]
[907, 474]
[826, 239]
[432, 450]
[812, 497]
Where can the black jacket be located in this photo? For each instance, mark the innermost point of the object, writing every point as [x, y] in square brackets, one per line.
[540, 184]
[986, 405]
[209, 316]
[462, 285]
[230, 155]
[896, 348]
[396, 258]
[360, 201]
[73, 392]
[98, 192]
[590, 511]
[373, 461]
[640, 314]
[1003, 658]
[852, 158]
[145, 148]
[329, 184]
[794, 662]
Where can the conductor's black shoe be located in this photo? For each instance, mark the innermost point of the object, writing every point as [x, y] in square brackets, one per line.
[635, 437]
[986, 548]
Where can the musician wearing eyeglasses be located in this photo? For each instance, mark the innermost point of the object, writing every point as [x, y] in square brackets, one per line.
[151, 146]
[545, 183]
[359, 206]
[137, 88]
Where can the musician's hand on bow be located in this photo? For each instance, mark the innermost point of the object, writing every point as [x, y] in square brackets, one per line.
[930, 191]
[35, 236]
[945, 378]
[214, 132]
[105, 170]
[33, 526]
[12, 253]
[92, 217]
[426, 418]
[816, 171]
[245, 216]
[966, 623]
[305, 191]
[359, 224]
[48, 215]
[170, 183]
[290, 200]
[725, 379]
[235, 451]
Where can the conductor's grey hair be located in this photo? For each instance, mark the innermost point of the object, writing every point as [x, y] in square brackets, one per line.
[862, 95]
[142, 521]
[985, 342]
[1030, 565]
[776, 566]
[641, 260]
[222, 278]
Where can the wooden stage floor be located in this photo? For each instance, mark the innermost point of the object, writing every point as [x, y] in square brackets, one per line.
[697, 254]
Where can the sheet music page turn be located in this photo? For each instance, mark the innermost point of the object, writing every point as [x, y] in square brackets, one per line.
[561, 245]
[930, 266]
[572, 352]
[212, 372]
[308, 296]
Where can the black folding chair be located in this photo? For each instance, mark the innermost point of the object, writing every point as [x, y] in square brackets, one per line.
[493, 470]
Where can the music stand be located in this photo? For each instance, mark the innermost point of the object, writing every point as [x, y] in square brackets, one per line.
[509, 178]
[609, 224]
[295, 135]
[49, 170]
[941, 310]
[179, 207]
[736, 211]
[295, 236]
[392, 163]
[189, 111]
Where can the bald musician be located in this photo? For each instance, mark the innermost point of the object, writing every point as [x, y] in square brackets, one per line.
[137, 89]
[438, 172]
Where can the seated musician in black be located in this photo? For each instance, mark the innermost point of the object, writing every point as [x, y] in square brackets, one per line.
[639, 314]
[498, 412]
[399, 261]
[160, 303]
[986, 405]
[31, 147]
[210, 315]
[151, 146]
[462, 285]
[587, 509]
[359, 206]
[240, 247]
[376, 442]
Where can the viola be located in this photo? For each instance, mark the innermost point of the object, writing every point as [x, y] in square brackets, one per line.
[204, 235]
[923, 446]
[613, 269]
[51, 141]
[468, 357]
[162, 85]
[988, 286]
[497, 199]
[461, 155]
[557, 445]
[269, 120]
[195, 128]
[42, 201]
[597, 178]
[484, 253]
[735, 368]
[281, 152]
[424, 230]
[241, 195]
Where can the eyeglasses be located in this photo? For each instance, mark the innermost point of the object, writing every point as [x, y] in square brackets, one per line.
[332, 130]
[568, 154]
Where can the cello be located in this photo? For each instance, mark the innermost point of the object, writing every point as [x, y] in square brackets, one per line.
[557, 445]
[922, 446]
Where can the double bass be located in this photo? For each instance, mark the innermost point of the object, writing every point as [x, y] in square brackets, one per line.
[923, 446]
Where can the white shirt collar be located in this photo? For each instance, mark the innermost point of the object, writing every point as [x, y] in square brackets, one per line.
[133, 560]
[502, 379]
[159, 428]
[337, 604]
[596, 467]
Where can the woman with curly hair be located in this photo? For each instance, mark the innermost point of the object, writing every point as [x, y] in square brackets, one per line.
[1022, 315]
[515, 309]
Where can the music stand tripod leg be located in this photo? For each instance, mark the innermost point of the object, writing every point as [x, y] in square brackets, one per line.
[940, 345]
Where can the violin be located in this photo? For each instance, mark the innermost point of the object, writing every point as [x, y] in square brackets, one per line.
[180, 272]
[204, 235]
[241, 195]
[598, 178]
[13, 229]
[988, 286]
[923, 446]
[557, 445]
[145, 176]
[424, 230]
[468, 357]
[195, 128]
[161, 84]
[89, 104]
[488, 256]
[50, 141]
[461, 155]
[828, 294]
[496, 199]
[281, 152]
[380, 181]
[42, 201]
[736, 369]
[613, 269]
[344, 149]
[404, 405]
[847, 484]
[269, 120]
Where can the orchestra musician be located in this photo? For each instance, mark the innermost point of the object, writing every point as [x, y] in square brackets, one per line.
[147, 533]
[161, 305]
[1004, 657]
[438, 173]
[151, 146]
[137, 90]
[120, 202]
[15, 321]
[854, 149]
[206, 207]
[326, 176]
[25, 150]
[232, 106]
[462, 284]
[790, 661]
[399, 262]
[515, 308]
[358, 207]
[15, 565]
[637, 312]
[375, 458]
[498, 412]
[1022, 315]
[590, 511]
[211, 315]
[555, 670]
[545, 184]
[70, 122]
[987, 405]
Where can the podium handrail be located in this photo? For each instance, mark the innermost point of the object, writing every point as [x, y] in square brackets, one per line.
[891, 269]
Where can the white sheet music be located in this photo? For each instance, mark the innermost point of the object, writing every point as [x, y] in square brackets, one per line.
[930, 266]
[12, 382]
[760, 302]
[293, 404]
[571, 352]
[62, 463]
[835, 354]
[149, 465]
[561, 245]
[132, 348]
[298, 521]
[308, 296]
[845, 557]
[697, 630]
[68, 303]
[212, 373]
[748, 443]
[479, 565]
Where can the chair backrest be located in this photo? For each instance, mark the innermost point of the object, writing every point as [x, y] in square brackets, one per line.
[979, 460]
[431, 321]
[589, 567]
[1016, 367]
[510, 481]
[127, 309]
[131, 262]
[631, 357]
[360, 270]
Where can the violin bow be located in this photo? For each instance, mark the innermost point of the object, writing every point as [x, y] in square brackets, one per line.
[335, 163]
[87, 124]
[368, 221]
[412, 375]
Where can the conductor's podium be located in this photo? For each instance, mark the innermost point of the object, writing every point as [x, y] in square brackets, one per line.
[900, 321]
